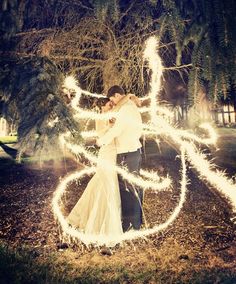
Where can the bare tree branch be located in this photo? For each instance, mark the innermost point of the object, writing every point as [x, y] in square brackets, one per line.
[127, 10]
[178, 67]
[77, 3]
[34, 31]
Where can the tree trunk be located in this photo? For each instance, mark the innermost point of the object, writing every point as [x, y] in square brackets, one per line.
[111, 76]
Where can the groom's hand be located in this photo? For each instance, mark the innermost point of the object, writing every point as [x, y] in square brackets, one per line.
[112, 120]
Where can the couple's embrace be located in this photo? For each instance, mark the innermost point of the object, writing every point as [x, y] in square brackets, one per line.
[110, 205]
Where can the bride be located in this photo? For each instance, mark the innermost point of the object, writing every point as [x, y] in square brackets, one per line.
[98, 211]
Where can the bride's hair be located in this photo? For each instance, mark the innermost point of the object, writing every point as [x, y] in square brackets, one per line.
[101, 102]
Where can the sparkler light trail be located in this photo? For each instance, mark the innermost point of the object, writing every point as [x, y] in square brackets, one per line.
[158, 125]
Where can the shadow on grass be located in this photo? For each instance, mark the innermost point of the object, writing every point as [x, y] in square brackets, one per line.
[7, 161]
[9, 150]
[27, 266]
[24, 266]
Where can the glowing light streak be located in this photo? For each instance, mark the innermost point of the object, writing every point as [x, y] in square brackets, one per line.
[150, 131]
[212, 136]
[158, 125]
[99, 240]
[216, 178]
[155, 64]
[153, 183]
[71, 83]
[93, 115]
[94, 95]
[52, 123]
[88, 134]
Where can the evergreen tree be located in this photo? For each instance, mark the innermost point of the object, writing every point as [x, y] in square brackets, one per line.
[30, 91]
[210, 32]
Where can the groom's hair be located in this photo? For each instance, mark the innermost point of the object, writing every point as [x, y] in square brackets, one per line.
[115, 89]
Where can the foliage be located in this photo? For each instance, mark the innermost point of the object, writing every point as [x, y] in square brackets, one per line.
[24, 265]
[209, 32]
[103, 46]
[102, 42]
[11, 16]
[33, 87]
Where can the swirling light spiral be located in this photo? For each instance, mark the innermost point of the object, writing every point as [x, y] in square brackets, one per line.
[185, 141]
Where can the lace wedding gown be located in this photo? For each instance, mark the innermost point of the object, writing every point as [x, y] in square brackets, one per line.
[98, 211]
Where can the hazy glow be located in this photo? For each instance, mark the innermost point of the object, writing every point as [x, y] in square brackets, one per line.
[51, 123]
[71, 83]
[153, 181]
[159, 124]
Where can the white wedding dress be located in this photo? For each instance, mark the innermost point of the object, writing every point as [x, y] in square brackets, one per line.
[98, 211]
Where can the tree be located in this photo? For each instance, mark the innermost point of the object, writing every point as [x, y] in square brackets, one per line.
[102, 42]
[103, 45]
[209, 33]
[30, 92]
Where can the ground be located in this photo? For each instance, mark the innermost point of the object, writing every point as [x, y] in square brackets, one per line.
[199, 247]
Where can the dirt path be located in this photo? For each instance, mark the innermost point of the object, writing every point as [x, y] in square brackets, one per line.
[26, 216]
[203, 235]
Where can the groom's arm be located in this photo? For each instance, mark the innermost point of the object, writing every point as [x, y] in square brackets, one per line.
[101, 127]
[114, 131]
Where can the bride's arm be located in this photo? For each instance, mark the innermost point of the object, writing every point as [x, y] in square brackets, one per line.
[124, 100]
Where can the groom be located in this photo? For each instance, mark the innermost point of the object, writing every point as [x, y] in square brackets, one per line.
[126, 131]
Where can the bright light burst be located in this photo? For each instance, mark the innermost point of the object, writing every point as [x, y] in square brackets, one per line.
[185, 141]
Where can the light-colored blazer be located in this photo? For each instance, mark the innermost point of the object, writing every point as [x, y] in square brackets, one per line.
[126, 130]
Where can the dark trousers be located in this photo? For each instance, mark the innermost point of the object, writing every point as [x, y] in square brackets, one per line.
[131, 197]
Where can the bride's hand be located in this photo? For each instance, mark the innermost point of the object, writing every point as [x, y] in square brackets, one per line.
[136, 100]
[98, 143]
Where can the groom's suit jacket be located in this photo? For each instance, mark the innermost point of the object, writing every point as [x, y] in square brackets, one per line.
[126, 130]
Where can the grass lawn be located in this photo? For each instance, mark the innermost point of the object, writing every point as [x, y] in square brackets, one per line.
[25, 265]
[8, 139]
[199, 247]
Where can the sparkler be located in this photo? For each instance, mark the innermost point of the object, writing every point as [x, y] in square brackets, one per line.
[184, 141]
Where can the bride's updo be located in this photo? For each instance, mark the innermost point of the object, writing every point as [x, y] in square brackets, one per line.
[101, 102]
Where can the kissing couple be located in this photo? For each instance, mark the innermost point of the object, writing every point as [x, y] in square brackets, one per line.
[109, 205]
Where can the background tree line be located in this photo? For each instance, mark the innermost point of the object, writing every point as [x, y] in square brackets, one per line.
[101, 43]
